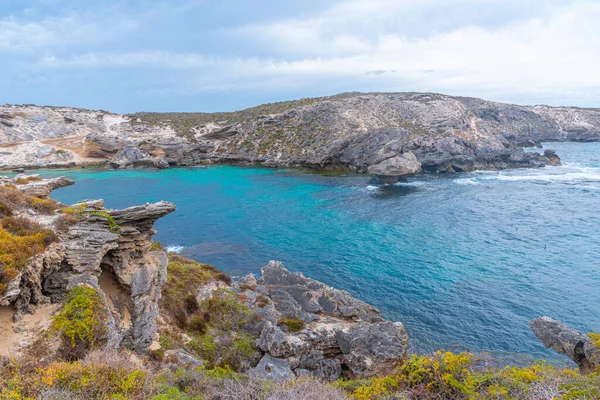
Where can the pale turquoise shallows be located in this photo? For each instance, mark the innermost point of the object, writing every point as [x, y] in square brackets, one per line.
[463, 260]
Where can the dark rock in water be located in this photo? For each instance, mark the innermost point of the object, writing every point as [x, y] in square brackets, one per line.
[272, 368]
[329, 329]
[551, 157]
[566, 340]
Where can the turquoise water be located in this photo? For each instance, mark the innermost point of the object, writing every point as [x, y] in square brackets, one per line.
[463, 260]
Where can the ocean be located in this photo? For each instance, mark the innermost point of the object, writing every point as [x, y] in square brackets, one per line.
[463, 260]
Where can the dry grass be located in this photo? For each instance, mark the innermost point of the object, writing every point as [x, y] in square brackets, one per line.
[20, 239]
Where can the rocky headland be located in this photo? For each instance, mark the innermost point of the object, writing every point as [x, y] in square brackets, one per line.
[385, 134]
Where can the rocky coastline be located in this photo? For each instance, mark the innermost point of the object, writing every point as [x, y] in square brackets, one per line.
[81, 279]
[385, 134]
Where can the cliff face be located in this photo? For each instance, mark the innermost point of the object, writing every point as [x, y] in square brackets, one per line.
[110, 250]
[393, 134]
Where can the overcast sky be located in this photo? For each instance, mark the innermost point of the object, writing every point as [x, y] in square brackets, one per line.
[201, 55]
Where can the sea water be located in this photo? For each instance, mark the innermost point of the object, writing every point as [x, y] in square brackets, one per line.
[463, 260]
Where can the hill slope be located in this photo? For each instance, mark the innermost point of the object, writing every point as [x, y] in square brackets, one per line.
[393, 133]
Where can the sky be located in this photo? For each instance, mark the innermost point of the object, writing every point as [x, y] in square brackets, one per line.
[201, 55]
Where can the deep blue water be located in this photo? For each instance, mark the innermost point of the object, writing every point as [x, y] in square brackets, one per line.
[463, 260]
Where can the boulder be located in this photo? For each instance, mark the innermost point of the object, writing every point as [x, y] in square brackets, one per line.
[390, 169]
[272, 368]
[371, 348]
[182, 358]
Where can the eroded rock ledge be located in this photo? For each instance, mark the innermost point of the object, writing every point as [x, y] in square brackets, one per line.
[110, 250]
[566, 340]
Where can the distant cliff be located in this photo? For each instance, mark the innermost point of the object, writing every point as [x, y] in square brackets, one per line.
[382, 133]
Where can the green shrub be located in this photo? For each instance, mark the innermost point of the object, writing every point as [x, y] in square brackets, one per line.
[179, 292]
[81, 321]
[292, 324]
[44, 206]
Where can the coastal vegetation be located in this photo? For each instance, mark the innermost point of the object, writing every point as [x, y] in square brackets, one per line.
[105, 374]
[81, 322]
[20, 237]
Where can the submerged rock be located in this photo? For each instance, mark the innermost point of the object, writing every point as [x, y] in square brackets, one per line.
[566, 340]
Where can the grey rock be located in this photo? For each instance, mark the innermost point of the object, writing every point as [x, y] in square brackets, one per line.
[352, 131]
[89, 251]
[340, 331]
[45, 151]
[396, 166]
[370, 347]
[272, 368]
[277, 343]
[44, 187]
[566, 340]
[180, 358]
[318, 366]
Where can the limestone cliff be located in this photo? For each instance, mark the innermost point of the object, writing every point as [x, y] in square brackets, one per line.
[386, 133]
[111, 250]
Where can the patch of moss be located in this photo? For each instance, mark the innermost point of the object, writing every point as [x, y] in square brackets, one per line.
[80, 210]
[292, 324]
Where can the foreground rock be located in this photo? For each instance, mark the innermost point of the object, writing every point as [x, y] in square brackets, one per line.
[565, 340]
[355, 131]
[318, 330]
[110, 250]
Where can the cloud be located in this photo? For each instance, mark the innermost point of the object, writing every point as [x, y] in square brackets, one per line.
[537, 51]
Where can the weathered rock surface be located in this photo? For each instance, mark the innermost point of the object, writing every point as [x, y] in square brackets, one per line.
[566, 340]
[272, 368]
[180, 358]
[355, 131]
[43, 188]
[398, 165]
[338, 331]
[120, 263]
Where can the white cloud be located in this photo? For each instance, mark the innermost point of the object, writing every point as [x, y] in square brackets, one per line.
[546, 51]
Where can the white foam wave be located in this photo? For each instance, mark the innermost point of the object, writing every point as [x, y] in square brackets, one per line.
[466, 181]
[561, 175]
[372, 188]
[174, 249]
[415, 183]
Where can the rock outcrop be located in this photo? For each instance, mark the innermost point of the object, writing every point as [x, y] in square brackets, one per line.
[110, 250]
[354, 131]
[566, 340]
[314, 329]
